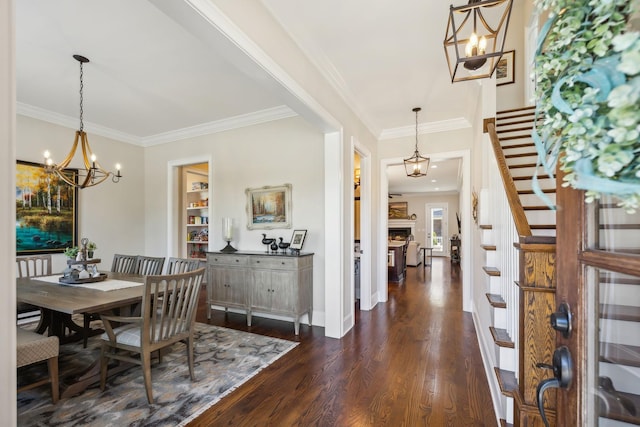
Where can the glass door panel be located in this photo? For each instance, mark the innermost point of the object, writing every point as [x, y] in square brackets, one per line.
[612, 285]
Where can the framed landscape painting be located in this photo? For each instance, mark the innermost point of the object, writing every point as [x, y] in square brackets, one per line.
[46, 210]
[269, 207]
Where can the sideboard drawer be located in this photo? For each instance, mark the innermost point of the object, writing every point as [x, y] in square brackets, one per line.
[274, 263]
[227, 260]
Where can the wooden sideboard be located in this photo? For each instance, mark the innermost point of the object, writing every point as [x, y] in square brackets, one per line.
[397, 261]
[260, 282]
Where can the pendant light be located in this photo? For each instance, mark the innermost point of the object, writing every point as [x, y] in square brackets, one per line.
[416, 165]
[475, 38]
[93, 173]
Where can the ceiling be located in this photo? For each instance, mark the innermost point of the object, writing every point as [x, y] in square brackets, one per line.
[159, 72]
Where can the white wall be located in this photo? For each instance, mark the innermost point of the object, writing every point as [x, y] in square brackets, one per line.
[7, 213]
[274, 153]
[512, 95]
[112, 215]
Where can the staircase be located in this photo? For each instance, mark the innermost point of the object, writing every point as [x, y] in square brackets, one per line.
[518, 240]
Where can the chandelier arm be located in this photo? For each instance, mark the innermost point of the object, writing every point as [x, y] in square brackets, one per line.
[88, 182]
[86, 150]
[65, 178]
[63, 164]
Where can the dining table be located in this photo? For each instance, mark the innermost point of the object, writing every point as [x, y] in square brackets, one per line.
[60, 301]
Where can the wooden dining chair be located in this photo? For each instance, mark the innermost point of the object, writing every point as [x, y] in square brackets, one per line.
[33, 348]
[124, 263]
[147, 265]
[182, 265]
[31, 266]
[169, 305]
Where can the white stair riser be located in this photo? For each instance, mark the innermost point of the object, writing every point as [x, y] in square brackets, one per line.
[535, 200]
[543, 232]
[620, 332]
[625, 378]
[542, 183]
[533, 158]
[541, 217]
[507, 359]
[620, 294]
[499, 318]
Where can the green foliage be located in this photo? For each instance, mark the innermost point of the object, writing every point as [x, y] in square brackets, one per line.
[71, 252]
[588, 87]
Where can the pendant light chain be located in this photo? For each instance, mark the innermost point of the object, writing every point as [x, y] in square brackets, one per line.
[416, 110]
[81, 97]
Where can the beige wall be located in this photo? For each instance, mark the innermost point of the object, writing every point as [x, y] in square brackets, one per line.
[112, 215]
[274, 153]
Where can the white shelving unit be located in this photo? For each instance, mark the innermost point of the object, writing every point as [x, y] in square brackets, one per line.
[196, 218]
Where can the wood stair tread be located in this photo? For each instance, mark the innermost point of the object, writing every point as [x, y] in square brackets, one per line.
[513, 156]
[504, 423]
[496, 300]
[513, 146]
[488, 247]
[507, 381]
[523, 165]
[486, 226]
[518, 129]
[616, 413]
[537, 208]
[620, 312]
[620, 354]
[515, 137]
[501, 337]
[542, 226]
[544, 190]
[491, 271]
[618, 280]
[619, 226]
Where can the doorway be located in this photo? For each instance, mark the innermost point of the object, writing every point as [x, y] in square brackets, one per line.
[437, 227]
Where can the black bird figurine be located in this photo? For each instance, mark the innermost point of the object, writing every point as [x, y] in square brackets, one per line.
[283, 245]
[267, 241]
[274, 246]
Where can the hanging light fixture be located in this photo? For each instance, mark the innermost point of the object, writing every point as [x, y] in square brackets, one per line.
[93, 173]
[475, 38]
[416, 165]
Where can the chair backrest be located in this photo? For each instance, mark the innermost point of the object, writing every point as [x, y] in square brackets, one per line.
[147, 265]
[169, 305]
[33, 265]
[182, 265]
[124, 263]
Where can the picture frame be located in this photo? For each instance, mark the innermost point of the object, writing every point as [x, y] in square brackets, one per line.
[46, 210]
[297, 239]
[398, 210]
[269, 207]
[505, 70]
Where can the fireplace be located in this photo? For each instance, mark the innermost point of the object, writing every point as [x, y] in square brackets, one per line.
[399, 233]
[400, 229]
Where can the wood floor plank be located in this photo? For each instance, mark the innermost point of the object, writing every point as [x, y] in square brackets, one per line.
[412, 361]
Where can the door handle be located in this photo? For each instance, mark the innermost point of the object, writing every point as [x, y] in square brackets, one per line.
[562, 367]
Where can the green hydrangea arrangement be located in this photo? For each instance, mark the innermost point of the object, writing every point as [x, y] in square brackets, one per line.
[588, 89]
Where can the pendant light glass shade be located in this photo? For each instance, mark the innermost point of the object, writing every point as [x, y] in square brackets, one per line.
[474, 42]
[416, 165]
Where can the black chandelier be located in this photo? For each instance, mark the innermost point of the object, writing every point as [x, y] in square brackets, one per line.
[475, 38]
[416, 165]
[93, 173]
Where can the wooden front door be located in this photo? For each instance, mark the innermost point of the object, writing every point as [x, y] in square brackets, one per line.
[598, 278]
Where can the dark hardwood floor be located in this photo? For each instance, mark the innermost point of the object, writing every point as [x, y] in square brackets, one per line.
[412, 361]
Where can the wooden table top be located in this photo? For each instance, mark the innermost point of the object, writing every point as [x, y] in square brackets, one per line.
[75, 299]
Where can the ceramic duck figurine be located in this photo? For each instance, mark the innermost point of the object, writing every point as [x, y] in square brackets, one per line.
[267, 241]
[283, 245]
[274, 246]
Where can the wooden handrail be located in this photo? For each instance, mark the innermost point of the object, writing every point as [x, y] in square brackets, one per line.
[519, 217]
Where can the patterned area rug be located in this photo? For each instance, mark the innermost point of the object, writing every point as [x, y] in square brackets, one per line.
[224, 359]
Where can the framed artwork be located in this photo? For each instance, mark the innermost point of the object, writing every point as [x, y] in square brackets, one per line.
[46, 210]
[505, 71]
[269, 207]
[297, 239]
[398, 210]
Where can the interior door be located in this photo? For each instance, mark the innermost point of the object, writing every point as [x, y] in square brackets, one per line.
[598, 284]
[437, 228]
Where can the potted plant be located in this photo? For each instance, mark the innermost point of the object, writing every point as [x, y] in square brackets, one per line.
[91, 247]
[71, 252]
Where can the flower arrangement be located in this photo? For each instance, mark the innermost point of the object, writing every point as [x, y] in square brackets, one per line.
[588, 87]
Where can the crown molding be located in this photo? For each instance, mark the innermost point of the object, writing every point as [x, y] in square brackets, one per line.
[72, 123]
[235, 122]
[424, 128]
[243, 120]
